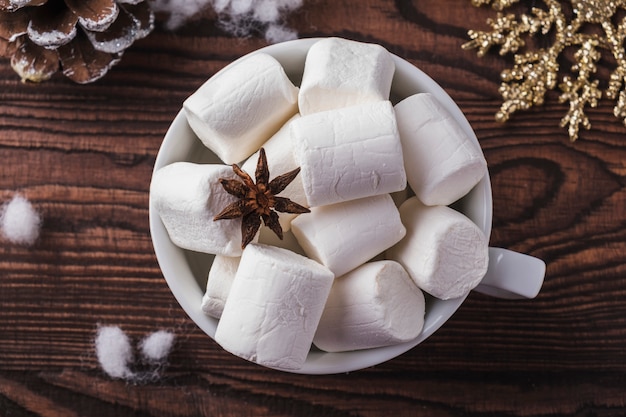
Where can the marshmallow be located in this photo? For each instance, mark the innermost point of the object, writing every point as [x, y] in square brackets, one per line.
[221, 276]
[442, 163]
[341, 73]
[280, 160]
[224, 268]
[187, 196]
[376, 304]
[444, 252]
[343, 236]
[274, 307]
[349, 153]
[239, 108]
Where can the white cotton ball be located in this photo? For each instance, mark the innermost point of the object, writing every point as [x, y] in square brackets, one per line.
[279, 33]
[266, 11]
[179, 11]
[271, 12]
[19, 221]
[238, 17]
[114, 352]
[289, 4]
[238, 7]
[220, 5]
[157, 346]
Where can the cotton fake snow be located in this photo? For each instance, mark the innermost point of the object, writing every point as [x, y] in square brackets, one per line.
[157, 346]
[19, 222]
[238, 17]
[179, 10]
[276, 33]
[114, 352]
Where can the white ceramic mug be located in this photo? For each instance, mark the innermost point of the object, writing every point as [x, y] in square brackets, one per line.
[510, 274]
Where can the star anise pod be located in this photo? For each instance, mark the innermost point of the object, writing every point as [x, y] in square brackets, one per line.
[258, 201]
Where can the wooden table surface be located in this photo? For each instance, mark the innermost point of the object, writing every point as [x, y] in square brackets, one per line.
[83, 155]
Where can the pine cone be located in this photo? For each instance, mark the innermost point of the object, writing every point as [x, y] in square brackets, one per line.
[83, 38]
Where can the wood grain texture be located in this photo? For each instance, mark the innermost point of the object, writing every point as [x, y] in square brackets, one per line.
[83, 155]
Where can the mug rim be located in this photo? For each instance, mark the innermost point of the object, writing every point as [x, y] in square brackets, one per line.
[177, 265]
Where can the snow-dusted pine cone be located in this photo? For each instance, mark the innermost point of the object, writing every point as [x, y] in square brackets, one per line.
[83, 38]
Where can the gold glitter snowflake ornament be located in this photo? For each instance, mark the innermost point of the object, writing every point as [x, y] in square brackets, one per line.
[534, 72]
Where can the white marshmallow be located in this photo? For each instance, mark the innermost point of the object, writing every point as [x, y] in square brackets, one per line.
[442, 163]
[221, 276]
[187, 197]
[444, 252]
[239, 108]
[274, 307]
[280, 160]
[224, 268]
[349, 153]
[341, 73]
[343, 236]
[376, 304]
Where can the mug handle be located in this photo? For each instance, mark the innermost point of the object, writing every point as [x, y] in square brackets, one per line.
[512, 275]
